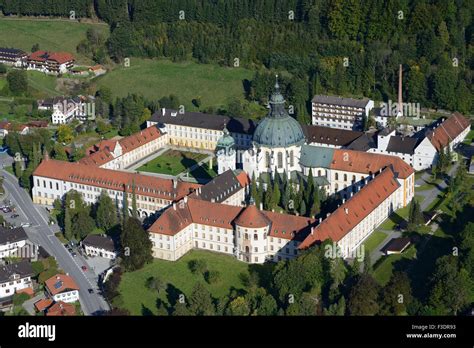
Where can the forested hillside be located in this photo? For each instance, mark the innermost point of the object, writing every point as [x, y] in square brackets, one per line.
[346, 47]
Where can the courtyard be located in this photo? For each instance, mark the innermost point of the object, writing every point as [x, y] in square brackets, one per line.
[173, 162]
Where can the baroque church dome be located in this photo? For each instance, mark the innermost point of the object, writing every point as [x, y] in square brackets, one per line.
[278, 128]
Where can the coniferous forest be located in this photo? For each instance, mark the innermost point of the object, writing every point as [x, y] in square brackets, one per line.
[344, 47]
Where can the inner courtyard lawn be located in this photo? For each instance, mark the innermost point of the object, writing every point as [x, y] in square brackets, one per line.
[137, 297]
[172, 162]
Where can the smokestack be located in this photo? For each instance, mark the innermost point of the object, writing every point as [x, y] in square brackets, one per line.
[346, 210]
[163, 111]
[185, 199]
[312, 230]
[261, 206]
[320, 220]
[174, 206]
[400, 100]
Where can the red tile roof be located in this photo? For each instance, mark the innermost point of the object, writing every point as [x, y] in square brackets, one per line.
[251, 217]
[97, 158]
[354, 210]
[140, 138]
[243, 179]
[29, 291]
[60, 283]
[42, 304]
[367, 163]
[59, 57]
[114, 180]
[61, 308]
[448, 130]
[220, 215]
[101, 152]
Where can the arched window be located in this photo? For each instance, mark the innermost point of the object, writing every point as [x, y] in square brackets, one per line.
[345, 177]
[353, 179]
[336, 188]
[280, 160]
[255, 236]
[267, 159]
[292, 160]
[319, 172]
[247, 249]
[337, 176]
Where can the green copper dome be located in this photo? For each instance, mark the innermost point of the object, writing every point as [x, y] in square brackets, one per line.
[278, 129]
[226, 141]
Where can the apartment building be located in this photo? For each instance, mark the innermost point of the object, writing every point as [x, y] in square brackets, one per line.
[339, 112]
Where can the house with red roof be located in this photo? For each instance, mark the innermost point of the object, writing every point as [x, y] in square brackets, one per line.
[62, 287]
[50, 62]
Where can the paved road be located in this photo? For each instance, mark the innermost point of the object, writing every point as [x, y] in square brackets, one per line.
[431, 194]
[42, 233]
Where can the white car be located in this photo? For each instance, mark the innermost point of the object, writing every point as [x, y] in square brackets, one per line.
[25, 224]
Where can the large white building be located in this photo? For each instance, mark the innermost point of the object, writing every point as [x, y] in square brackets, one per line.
[120, 154]
[339, 112]
[256, 236]
[421, 150]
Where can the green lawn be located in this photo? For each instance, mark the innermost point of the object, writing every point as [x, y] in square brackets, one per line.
[172, 162]
[469, 138]
[157, 78]
[397, 217]
[53, 35]
[383, 270]
[179, 279]
[374, 239]
[42, 85]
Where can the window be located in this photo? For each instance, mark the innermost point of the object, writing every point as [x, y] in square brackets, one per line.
[345, 177]
[267, 159]
[255, 236]
[292, 160]
[337, 176]
[280, 160]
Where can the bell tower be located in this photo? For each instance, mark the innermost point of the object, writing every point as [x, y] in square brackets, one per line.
[225, 152]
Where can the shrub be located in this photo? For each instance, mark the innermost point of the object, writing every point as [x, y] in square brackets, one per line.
[213, 277]
[198, 266]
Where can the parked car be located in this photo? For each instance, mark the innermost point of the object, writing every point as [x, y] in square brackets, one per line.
[14, 216]
[25, 224]
[84, 268]
[6, 210]
[91, 291]
[74, 254]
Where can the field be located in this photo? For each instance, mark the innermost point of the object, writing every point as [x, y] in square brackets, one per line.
[154, 79]
[54, 35]
[136, 297]
[172, 162]
[375, 239]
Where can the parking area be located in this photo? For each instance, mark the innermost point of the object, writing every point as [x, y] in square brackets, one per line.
[98, 264]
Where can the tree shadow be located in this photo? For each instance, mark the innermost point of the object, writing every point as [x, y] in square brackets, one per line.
[146, 311]
[172, 294]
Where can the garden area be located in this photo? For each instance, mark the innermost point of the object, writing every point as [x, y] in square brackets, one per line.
[217, 272]
[172, 162]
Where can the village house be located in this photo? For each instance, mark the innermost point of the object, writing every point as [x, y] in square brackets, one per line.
[63, 288]
[15, 277]
[50, 62]
[102, 246]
